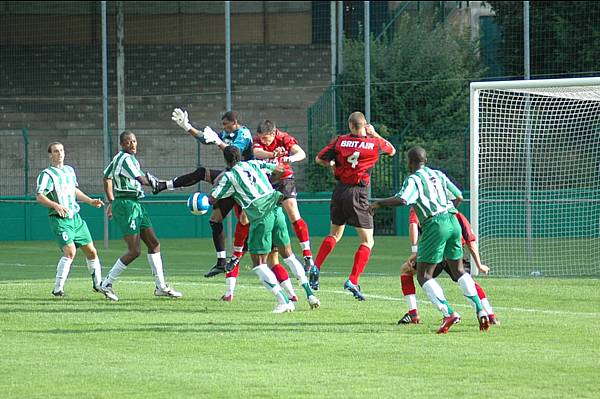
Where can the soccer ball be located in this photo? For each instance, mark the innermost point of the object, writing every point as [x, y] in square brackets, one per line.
[198, 203]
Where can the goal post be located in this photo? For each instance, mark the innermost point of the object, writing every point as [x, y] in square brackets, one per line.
[535, 176]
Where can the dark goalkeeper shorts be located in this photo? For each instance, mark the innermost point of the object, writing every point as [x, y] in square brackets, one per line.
[349, 205]
[443, 267]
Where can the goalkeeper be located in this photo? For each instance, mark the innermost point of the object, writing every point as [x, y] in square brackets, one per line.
[233, 133]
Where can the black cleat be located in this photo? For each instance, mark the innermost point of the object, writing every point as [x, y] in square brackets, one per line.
[233, 262]
[58, 293]
[313, 278]
[157, 185]
[218, 268]
[410, 319]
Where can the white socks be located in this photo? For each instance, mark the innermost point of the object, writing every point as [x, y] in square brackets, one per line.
[230, 285]
[267, 277]
[411, 301]
[296, 268]
[435, 293]
[62, 271]
[93, 266]
[118, 268]
[156, 265]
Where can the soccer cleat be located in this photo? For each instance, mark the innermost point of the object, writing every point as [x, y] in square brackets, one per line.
[448, 322]
[484, 321]
[493, 320]
[410, 319]
[108, 292]
[167, 291]
[227, 298]
[354, 289]
[58, 293]
[218, 268]
[314, 302]
[284, 307]
[313, 278]
[308, 263]
[294, 298]
[233, 262]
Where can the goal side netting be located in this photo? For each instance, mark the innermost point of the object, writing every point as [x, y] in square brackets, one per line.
[535, 176]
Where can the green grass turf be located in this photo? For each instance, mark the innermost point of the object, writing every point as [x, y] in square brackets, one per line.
[144, 347]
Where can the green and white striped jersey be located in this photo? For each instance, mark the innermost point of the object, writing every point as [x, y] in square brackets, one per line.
[430, 191]
[123, 170]
[59, 184]
[248, 183]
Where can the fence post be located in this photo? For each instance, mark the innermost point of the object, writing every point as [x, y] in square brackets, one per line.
[25, 133]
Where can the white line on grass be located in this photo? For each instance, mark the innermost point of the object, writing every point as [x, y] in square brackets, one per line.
[379, 297]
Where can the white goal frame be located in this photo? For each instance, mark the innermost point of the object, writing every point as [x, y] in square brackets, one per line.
[475, 89]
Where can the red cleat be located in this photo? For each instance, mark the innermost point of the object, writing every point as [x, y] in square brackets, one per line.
[294, 298]
[227, 298]
[494, 320]
[448, 322]
[484, 321]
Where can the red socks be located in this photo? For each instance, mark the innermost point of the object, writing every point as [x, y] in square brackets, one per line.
[408, 284]
[234, 272]
[480, 291]
[326, 247]
[361, 257]
[280, 272]
[301, 230]
[239, 238]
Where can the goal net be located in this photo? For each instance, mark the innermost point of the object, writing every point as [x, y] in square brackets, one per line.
[535, 176]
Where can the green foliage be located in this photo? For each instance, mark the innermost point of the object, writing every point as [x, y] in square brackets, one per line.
[420, 87]
[564, 37]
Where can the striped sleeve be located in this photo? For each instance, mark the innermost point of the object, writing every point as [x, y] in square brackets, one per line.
[452, 188]
[224, 189]
[409, 191]
[108, 170]
[44, 184]
[131, 168]
[71, 170]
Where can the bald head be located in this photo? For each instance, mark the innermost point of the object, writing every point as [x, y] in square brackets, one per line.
[417, 157]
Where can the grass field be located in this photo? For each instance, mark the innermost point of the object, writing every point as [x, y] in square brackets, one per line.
[548, 345]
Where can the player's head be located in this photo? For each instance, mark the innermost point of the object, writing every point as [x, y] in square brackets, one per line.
[417, 157]
[231, 121]
[56, 153]
[128, 142]
[357, 122]
[232, 155]
[266, 131]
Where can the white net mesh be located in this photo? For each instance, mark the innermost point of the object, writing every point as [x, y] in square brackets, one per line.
[539, 181]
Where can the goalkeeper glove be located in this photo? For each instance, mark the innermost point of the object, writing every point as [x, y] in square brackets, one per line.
[181, 118]
[210, 136]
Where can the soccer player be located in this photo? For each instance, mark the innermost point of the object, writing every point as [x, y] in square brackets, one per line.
[276, 146]
[123, 180]
[57, 190]
[408, 269]
[429, 190]
[248, 184]
[233, 133]
[352, 156]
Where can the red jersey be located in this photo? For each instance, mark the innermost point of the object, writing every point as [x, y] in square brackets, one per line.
[354, 157]
[467, 234]
[284, 140]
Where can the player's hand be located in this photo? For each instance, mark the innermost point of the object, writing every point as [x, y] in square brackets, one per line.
[109, 210]
[370, 130]
[96, 202]
[180, 117]
[484, 269]
[374, 206]
[61, 210]
[279, 152]
[210, 136]
[412, 259]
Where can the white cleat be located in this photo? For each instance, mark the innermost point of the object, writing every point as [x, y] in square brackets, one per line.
[167, 291]
[108, 292]
[284, 307]
[314, 302]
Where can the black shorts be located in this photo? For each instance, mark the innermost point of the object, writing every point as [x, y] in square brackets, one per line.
[350, 205]
[215, 174]
[225, 205]
[443, 266]
[287, 187]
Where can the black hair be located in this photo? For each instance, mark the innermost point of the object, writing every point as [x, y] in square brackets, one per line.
[231, 116]
[417, 155]
[125, 134]
[232, 155]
